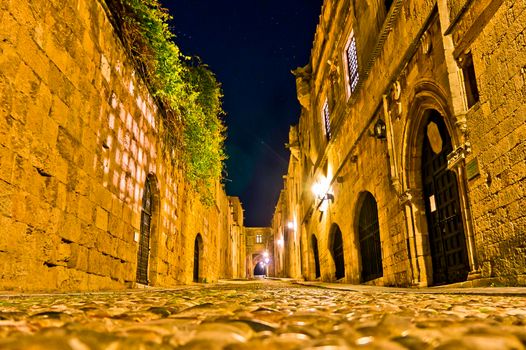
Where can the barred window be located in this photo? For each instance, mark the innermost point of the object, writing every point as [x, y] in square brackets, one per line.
[327, 119]
[352, 64]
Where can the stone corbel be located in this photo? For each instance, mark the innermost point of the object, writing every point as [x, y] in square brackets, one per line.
[462, 124]
[334, 72]
[405, 198]
[303, 78]
[455, 158]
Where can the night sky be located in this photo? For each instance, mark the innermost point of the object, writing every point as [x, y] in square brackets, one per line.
[252, 46]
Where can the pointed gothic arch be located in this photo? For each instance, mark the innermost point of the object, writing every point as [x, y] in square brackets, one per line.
[427, 258]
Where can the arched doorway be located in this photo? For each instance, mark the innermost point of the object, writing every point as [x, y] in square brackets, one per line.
[259, 269]
[336, 249]
[442, 205]
[369, 236]
[315, 253]
[198, 257]
[143, 253]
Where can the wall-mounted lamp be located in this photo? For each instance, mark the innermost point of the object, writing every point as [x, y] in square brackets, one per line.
[380, 130]
[322, 191]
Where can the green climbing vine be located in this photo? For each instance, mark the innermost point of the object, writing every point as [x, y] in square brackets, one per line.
[185, 86]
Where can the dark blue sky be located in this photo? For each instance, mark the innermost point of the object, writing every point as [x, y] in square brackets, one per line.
[252, 46]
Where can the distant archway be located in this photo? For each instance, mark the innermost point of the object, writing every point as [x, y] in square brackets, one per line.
[198, 259]
[336, 249]
[315, 253]
[259, 269]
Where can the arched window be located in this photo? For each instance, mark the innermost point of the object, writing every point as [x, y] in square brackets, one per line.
[369, 235]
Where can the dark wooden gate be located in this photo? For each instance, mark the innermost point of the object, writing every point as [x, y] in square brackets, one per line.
[369, 235]
[314, 241]
[144, 239]
[337, 252]
[444, 218]
[197, 253]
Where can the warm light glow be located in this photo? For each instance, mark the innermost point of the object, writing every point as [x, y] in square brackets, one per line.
[290, 225]
[321, 187]
[280, 242]
[267, 260]
[265, 254]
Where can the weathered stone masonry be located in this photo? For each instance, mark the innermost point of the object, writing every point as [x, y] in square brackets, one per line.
[78, 141]
[442, 73]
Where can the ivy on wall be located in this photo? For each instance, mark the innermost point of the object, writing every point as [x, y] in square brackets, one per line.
[185, 86]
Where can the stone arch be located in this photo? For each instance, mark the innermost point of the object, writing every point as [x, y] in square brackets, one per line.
[147, 252]
[337, 251]
[257, 260]
[368, 235]
[428, 101]
[198, 270]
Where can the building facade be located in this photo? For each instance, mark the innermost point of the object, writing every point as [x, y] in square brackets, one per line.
[259, 257]
[407, 167]
[88, 199]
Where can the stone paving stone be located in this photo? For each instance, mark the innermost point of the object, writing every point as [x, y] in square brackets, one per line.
[261, 315]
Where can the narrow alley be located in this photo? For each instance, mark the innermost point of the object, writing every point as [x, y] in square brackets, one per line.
[265, 314]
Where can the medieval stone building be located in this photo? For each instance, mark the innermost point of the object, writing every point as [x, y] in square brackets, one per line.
[408, 164]
[259, 243]
[87, 198]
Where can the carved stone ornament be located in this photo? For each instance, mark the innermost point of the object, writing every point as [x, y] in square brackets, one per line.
[461, 123]
[454, 158]
[397, 90]
[405, 198]
[434, 138]
[427, 44]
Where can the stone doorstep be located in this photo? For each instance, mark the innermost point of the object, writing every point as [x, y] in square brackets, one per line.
[450, 289]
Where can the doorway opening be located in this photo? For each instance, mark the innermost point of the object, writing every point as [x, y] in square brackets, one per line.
[198, 257]
[442, 205]
[336, 249]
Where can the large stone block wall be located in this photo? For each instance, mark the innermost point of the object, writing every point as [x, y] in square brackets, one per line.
[78, 139]
[497, 130]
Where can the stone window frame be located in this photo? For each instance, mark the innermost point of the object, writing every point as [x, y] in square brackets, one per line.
[469, 83]
[352, 67]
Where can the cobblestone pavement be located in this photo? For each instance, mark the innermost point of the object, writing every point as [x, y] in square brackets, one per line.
[262, 315]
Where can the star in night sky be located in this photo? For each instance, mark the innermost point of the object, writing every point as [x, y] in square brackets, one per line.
[252, 46]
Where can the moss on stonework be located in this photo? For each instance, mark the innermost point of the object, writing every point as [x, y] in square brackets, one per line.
[186, 87]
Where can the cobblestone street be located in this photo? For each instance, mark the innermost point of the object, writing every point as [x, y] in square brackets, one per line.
[262, 315]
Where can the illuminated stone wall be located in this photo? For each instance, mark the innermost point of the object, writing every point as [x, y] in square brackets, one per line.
[411, 59]
[78, 139]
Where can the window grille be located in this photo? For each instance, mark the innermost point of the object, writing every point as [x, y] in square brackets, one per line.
[352, 64]
[327, 120]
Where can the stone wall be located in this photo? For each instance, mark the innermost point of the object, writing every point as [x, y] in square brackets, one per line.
[497, 131]
[412, 60]
[78, 140]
